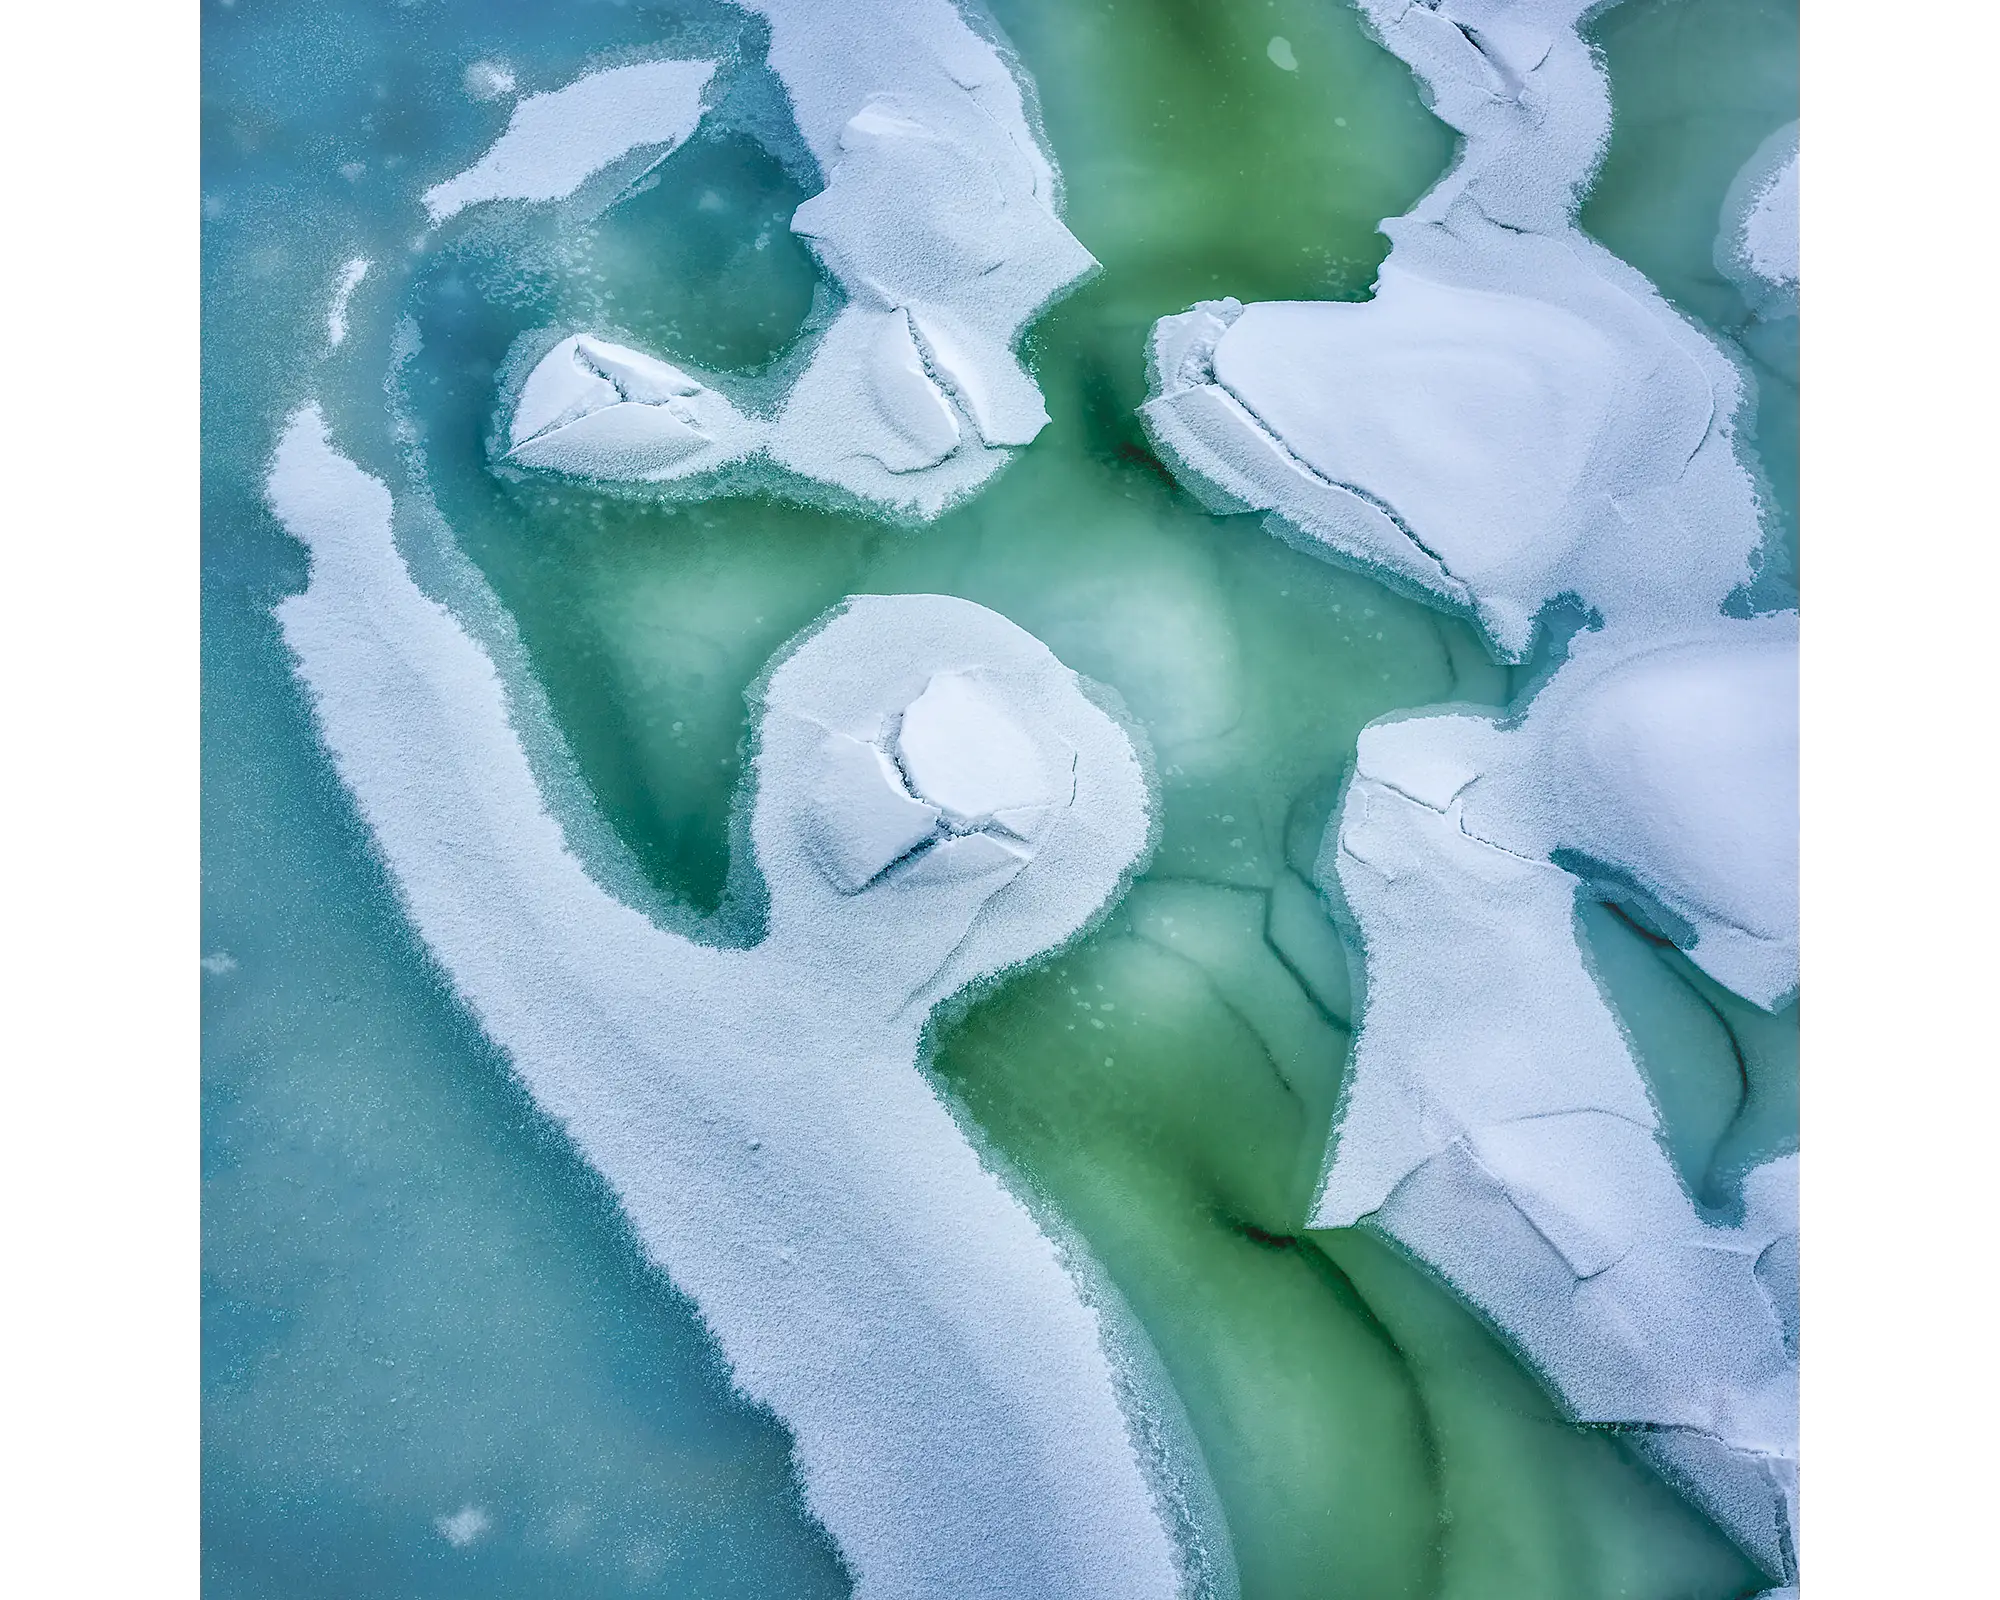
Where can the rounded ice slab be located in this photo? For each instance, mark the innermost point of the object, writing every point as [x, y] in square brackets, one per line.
[1675, 763]
[595, 409]
[965, 791]
[760, 1113]
[554, 142]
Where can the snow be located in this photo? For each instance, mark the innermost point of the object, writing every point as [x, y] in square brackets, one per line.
[963, 1421]
[937, 220]
[1497, 1126]
[1757, 239]
[864, 815]
[1676, 760]
[555, 141]
[595, 409]
[967, 756]
[1516, 414]
[1514, 417]
[343, 292]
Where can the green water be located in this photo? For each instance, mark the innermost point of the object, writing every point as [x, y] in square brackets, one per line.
[1163, 1089]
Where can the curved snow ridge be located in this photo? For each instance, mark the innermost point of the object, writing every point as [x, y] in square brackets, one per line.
[937, 219]
[1495, 1121]
[760, 1113]
[555, 142]
[1757, 239]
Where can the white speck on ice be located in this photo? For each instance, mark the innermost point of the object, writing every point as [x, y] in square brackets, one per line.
[220, 964]
[914, 1415]
[489, 80]
[554, 141]
[462, 1527]
[343, 291]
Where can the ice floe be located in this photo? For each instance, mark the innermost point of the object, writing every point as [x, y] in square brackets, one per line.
[553, 142]
[597, 409]
[1757, 241]
[1516, 416]
[957, 1404]
[1495, 1121]
[937, 220]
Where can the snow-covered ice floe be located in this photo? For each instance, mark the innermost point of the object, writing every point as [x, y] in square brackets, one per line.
[554, 142]
[937, 220]
[1495, 1121]
[936, 800]
[1517, 416]
[1757, 240]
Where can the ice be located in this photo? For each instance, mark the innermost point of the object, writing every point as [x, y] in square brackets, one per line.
[917, 414]
[595, 409]
[489, 80]
[1516, 414]
[554, 142]
[343, 291]
[1674, 760]
[966, 755]
[962, 1422]
[464, 1526]
[1517, 417]
[937, 220]
[866, 819]
[1497, 1125]
[1757, 240]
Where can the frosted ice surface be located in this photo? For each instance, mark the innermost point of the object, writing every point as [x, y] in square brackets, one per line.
[1757, 241]
[1516, 416]
[1674, 759]
[344, 286]
[937, 219]
[1497, 1125]
[964, 753]
[554, 141]
[595, 409]
[1771, 231]
[953, 1399]
[865, 816]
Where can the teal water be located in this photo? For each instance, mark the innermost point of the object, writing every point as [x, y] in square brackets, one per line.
[417, 1303]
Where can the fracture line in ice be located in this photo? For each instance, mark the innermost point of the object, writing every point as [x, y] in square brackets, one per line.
[937, 218]
[760, 1113]
[554, 142]
[1515, 416]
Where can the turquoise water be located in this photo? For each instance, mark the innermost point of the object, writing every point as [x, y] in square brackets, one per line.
[418, 1305]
